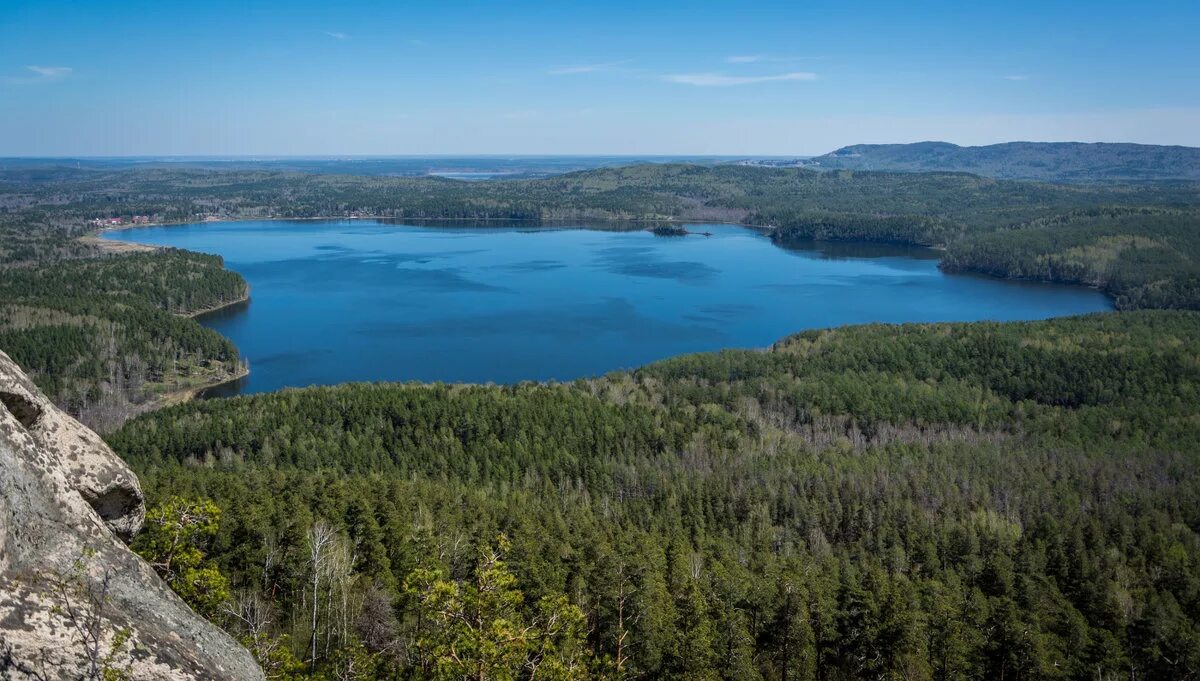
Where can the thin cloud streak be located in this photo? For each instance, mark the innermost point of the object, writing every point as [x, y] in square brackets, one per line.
[769, 59]
[51, 72]
[336, 35]
[723, 80]
[587, 68]
[42, 74]
[1016, 77]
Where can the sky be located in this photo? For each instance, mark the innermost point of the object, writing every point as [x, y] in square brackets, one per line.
[120, 78]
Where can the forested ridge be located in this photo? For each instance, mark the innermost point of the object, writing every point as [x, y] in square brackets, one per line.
[104, 333]
[1047, 161]
[1015, 501]
[1142, 257]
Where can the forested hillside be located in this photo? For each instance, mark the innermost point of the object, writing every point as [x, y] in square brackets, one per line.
[1143, 258]
[992, 501]
[104, 333]
[1046, 161]
[647, 191]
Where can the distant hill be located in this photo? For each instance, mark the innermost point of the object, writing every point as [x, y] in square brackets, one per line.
[1049, 161]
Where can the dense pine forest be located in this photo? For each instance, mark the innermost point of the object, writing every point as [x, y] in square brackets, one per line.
[951, 501]
[104, 333]
[1142, 257]
[991, 501]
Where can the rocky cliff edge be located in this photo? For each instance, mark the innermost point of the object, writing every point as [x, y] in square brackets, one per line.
[75, 602]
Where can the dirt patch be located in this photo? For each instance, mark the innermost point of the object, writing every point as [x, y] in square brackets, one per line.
[111, 247]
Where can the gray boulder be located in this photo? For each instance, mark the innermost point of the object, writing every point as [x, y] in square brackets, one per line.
[75, 602]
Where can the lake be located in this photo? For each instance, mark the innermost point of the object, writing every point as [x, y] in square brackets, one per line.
[356, 300]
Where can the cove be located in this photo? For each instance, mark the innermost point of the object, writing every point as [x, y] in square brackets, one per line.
[357, 300]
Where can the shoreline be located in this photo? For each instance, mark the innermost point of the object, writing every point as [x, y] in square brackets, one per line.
[216, 308]
[98, 232]
[635, 224]
[184, 395]
[172, 398]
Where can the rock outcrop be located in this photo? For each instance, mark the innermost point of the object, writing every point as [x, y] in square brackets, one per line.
[75, 602]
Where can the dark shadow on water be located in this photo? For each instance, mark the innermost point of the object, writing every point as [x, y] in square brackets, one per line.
[532, 266]
[615, 316]
[846, 250]
[224, 313]
[647, 261]
[227, 389]
[523, 225]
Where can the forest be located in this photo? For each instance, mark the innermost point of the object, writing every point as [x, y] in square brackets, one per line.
[106, 335]
[945, 501]
[1142, 257]
[948, 501]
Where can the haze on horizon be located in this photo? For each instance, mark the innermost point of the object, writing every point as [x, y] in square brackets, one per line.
[762, 78]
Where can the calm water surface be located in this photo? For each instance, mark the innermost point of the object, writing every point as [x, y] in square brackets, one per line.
[336, 301]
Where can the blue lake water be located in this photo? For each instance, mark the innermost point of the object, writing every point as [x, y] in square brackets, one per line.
[335, 301]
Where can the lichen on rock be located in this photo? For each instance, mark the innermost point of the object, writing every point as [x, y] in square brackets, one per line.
[75, 602]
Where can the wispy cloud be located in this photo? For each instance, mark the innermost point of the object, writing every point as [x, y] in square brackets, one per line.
[336, 35]
[51, 72]
[587, 68]
[41, 74]
[745, 58]
[769, 58]
[1016, 77]
[723, 80]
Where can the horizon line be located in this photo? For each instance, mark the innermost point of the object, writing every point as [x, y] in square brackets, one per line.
[359, 156]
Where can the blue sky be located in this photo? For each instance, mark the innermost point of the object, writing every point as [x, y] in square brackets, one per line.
[796, 77]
